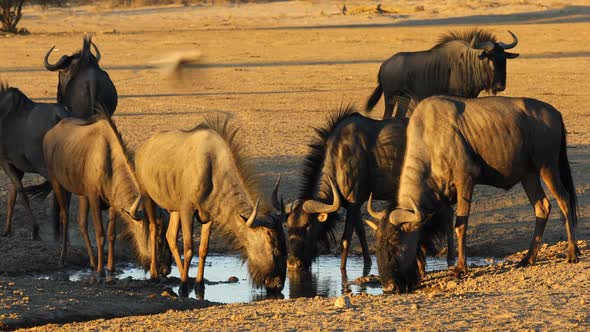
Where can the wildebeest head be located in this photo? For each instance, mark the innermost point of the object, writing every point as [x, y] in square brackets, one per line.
[267, 251]
[70, 65]
[308, 223]
[494, 56]
[400, 236]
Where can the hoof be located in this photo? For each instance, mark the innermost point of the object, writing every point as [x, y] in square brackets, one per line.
[6, 233]
[573, 259]
[183, 290]
[525, 262]
[35, 235]
[459, 272]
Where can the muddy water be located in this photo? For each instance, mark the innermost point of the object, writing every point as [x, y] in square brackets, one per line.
[325, 278]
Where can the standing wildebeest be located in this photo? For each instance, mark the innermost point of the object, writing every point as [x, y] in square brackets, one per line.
[82, 83]
[23, 123]
[454, 144]
[87, 157]
[351, 157]
[201, 174]
[460, 64]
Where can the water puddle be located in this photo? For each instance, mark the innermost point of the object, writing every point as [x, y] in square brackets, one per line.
[324, 280]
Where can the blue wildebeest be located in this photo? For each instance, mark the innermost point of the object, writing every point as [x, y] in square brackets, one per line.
[82, 83]
[88, 157]
[351, 157]
[201, 174]
[460, 64]
[23, 123]
[493, 141]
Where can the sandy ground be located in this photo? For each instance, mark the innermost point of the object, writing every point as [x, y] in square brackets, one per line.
[278, 69]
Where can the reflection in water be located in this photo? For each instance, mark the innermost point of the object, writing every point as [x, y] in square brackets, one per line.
[324, 279]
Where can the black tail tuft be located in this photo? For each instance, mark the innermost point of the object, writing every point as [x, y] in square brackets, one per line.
[40, 191]
[565, 173]
[374, 98]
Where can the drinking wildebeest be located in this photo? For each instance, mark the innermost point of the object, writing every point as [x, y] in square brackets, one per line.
[494, 141]
[460, 64]
[201, 174]
[23, 123]
[87, 157]
[82, 83]
[351, 157]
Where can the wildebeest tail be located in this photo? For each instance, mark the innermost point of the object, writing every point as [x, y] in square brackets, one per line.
[374, 98]
[41, 190]
[565, 173]
[434, 233]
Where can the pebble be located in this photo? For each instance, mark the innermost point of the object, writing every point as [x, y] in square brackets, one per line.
[415, 306]
[169, 292]
[451, 284]
[343, 302]
[233, 279]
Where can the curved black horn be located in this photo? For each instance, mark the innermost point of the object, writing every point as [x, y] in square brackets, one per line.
[374, 214]
[98, 56]
[511, 45]
[58, 65]
[312, 206]
[275, 196]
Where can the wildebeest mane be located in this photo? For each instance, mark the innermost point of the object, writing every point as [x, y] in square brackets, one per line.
[6, 88]
[317, 150]
[314, 159]
[465, 36]
[229, 133]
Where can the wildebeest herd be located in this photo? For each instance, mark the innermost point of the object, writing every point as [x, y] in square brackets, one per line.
[440, 143]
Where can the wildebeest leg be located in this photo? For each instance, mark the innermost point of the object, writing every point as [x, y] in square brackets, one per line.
[150, 210]
[60, 197]
[553, 182]
[534, 191]
[83, 225]
[172, 238]
[359, 227]
[94, 204]
[16, 177]
[464, 194]
[203, 250]
[450, 244]
[186, 222]
[112, 235]
[346, 238]
[9, 209]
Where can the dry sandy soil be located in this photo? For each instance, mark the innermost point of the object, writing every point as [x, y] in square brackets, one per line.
[278, 69]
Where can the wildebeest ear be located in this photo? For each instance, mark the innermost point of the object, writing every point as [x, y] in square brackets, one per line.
[322, 217]
[511, 55]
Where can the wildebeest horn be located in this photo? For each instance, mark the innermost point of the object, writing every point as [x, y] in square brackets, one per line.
[416, 209]
[374, 214]
[58, 65]
[473, 42]
[313, 206]
[252, 217]
[275, 195]
[371, 224]
[96, 50]
[511, 45]
[134, 207]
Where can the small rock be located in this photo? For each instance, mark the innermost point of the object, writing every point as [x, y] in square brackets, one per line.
[233, 279]
[582, 302]
[419, 8]
[415, 306]
[343, 302]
